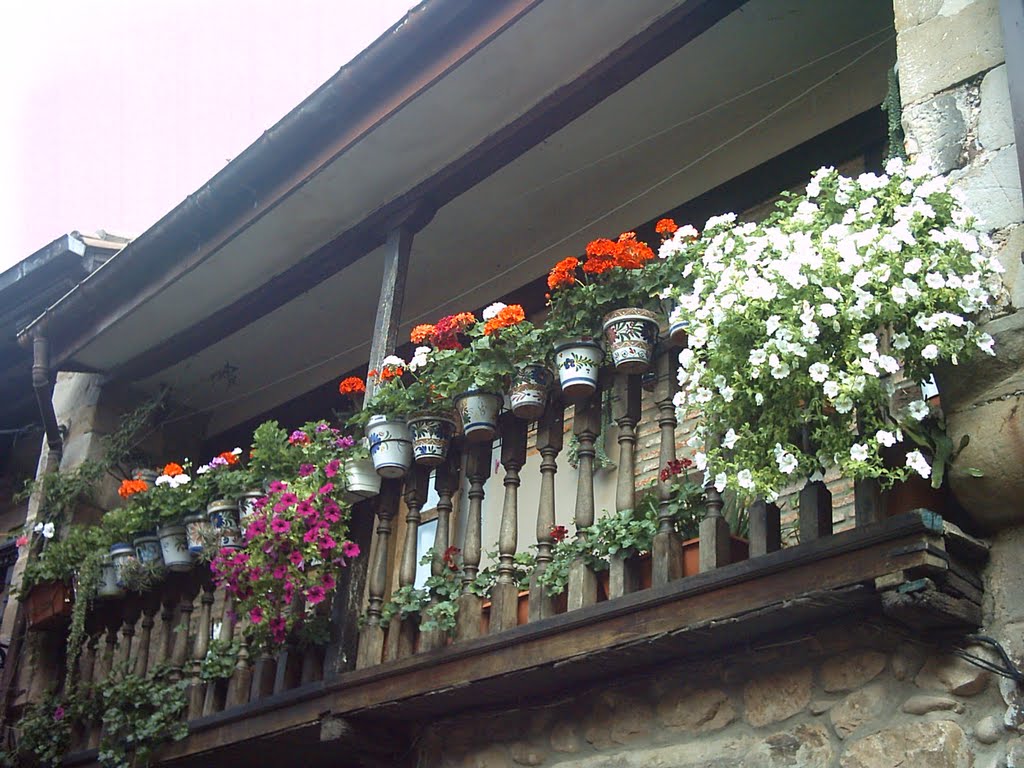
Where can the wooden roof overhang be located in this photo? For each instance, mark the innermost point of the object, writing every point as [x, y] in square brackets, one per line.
[912, 569]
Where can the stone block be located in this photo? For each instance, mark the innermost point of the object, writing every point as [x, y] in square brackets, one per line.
[910, 13]
[991, 188]
[722, 752]
[701, 710]
[953, 675]
[940, 744]
[565, 738]
[1004, 588]
[936, 128]
[907, 661]
[776, 697]
[851, 670]
[988, 730]
[948, 49]
[806, 746]
[1009, 256]
[490, 757]
[524, 753]
[995, 122]
[858, 708]
[922, 705]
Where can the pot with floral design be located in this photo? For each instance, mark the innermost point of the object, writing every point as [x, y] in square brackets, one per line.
[198, 531]
[431, 436]
[108, 586]
[677, 326]
[479, 414]
[390, 446]
[121, 555]
[247, 507]
[361, 480]
[148, 550]
[578, 362]
[631, 335]
[174, 547]
[223, 516]
[530, 388]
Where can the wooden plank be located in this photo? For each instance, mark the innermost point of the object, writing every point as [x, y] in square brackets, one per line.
[392, 295]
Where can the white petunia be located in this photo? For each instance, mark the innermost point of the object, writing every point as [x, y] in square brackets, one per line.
[165, 480]
[886, 438]
[745, 479]
[934, 280]
[493, 310]
[831, 389]
[899, 295]
[868, 343]
[48, 531]
[901, 341]
[392, 360]
[758, 398]
[38, 528]
[917, 462]
[930, 352]
[721, 479]
[986, 343]
[888, 363]
[818, 372]
[787, 463]
[918, 409]
[913, 266]
[844, 404]
[700, 460]
[730, 439]
[827, 310]
[859, 452]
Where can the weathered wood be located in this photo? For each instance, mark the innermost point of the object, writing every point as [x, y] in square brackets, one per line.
[446, 482]
[582, 586]
[150, 608]
[815, 511]
[626, 414]
[765, 528]
[197, 687]
[241, 680]
[478, 469]
[867, 501]
[371, 639]
[923, 606]
[667, 548]
[181, 653]
[715, 536]
[416, 486]
[505, 594]
[392, 295]
[964, 545]
[550, 437]
[1011, 15]
[216, 692]
[264, 673]
[623, 576]
[347, 601]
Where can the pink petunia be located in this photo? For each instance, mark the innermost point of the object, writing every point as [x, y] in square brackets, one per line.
[280, 525]
[327, 543]
[315, 594]
[278, 486]
[21, 541]
[280, 572]
[350, 549]
[332, 467]
[288, 499]
[328, 581]
[256, 615]
[296, 559]
[326, 488]
[305, 470]
[322, 427]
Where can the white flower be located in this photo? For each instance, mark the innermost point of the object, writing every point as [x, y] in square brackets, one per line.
[868, 367]
[913, 266]
[810, 331]
[700, 460]
[730, 438]
[885, 438]
[918, 409]
[899, 295]
[745, 479]
[859, 452]
[493, 310]
[165, 480]
[237, 451]
[420, 358]
[757, 356]
[686, 358]
[48, 531]
[917, 462]
[180, 480]
[203, 469]
[831, 389]
[901, 341]
[818, 372]
[894, 166]
[38, 528]
[844, 404]
[714, 221]
[985, 343]
[787, 462]
[888, 363]
[392, 360]
[930, 352]
[868, 343]
[720, 481]
[728, 394]
[771, 325]
[934, 280]
[867, 205]
[827, 310]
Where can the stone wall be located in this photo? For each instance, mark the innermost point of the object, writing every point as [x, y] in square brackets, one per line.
[847, 697]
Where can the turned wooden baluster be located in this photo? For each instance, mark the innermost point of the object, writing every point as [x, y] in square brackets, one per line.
[582, 587]
[715, 544]
[200, 647]
[150, 607]
[264, 674]
[667, 549]
[241, 681]
[550, 437]
[765, 529]
[622, 576]
[402, 632]
[131, 609]
[313, 659]
[216, 692]
[371, 640]
[288, 661]
[478, 469]
[446, 481]
[180, 656]
[168, 611]
[815, 505]
[505, 594]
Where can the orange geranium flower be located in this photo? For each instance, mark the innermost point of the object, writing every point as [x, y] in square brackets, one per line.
[421, 333]
[666, 228]
[562, 274]
[173, 470]
[446, 332]
[131, 487]
[388, 372]
[229, 457]
[353, 385]
[513, 314]
[632, 253]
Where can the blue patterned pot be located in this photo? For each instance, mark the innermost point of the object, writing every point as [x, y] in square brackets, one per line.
[197, 531]
[479, 414]
[108, 586]
[529, 392]
[147, 549]
[578, 362]
[121, 554]
[174, 548]
[390, 446]
[631, 335]
[223, 515]
[431, 436]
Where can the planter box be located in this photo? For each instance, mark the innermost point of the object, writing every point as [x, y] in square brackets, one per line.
[48, 606]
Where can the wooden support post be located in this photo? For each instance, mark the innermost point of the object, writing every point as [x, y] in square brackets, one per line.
[150, 607]
[402, 632]
[667, 548]
[446, 482]
[582, 587]
[550, 436]
[392, 295]
[216, 692]
[371, 640]
[347, 601]
[264, 674]
[715, 544]
[765, 530]
[622, 577]
[478, 469]
[505, 594]
[241, 680]
[815, 511]
[180, 655]
[868, 502]
[197, 687]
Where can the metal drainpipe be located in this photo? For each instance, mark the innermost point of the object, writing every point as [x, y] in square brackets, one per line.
[44, 395]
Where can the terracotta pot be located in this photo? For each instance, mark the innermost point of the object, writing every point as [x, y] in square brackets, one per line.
[631, 335]
[522, 612]
[479, 414]
[431, 437]
[578, 362]
[739, 550]
[529, 392]
[390, 446]
[48, 606]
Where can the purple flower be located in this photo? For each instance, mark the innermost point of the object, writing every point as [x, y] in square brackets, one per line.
[279, 572]
[218, 461]
[298, 437]
[350, 549]
[278, 486]
[296, 558]
[256, 615]
[332, 467]
[345, 442]
[315, 595]
[305, 470]
[280, 525]
[288, 499]
[326, 488]
[322, 427]
[58, 713]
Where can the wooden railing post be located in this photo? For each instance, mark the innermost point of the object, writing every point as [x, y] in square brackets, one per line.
[197, 687]
[446, 482]
[550, 437]
[131, 608]
[288, 664]
[715, 545]
[216, 693]
[505, 595]
[478, 469]
[666, 550]
[815, 517]
[867, 502]
[371, 640]
[402, 632]
[150, 607]
[765, 528]
[622, 578]
[241, 681]
[582, 587]
[180, 655]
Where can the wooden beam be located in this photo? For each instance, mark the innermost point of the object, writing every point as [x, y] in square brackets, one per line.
[392, 294]
[1011, 13]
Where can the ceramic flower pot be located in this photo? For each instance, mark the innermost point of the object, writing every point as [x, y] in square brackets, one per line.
[108, 586]
[147, 549]
[247, 507]
[174, 547]
[361, 480]
[631, 335]
[198, 529]
[431, 436]
[223, 516]
[479, 414]
[121, 554]
[390, 446]
[530, 391]
[578, 362]
[677, 327]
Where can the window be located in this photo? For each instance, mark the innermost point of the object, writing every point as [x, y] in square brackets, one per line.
[426, 533]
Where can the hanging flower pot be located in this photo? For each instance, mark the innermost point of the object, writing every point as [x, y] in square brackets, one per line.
[361, 480]
[631, 335]
[147, 549]
[223, 516]
[530, 388]
[479, 414]
[121, 554]
[431, 436]
[677, 326]
[49, 605]
[174, 547]
[247, 507]
[390, 446]
[108, 586]
[578, 362]
[197, 531]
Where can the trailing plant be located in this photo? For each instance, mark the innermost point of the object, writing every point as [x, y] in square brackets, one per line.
[219, 662]
[44, 730]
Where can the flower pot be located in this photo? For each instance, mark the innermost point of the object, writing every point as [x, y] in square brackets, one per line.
[479, 414]
[631, 335]
[390, 446]
[915, 492]
[530, 391]
[247, 507]
[223, 516]
[174, 547]
[198, 529]
[578, 362]
[121, 554]
[147, 549]
[431, 436]
[739, 549]
[48, 605]
[108, 586]
[361, 480]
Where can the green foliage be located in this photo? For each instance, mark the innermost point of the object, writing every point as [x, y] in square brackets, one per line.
[484, 364]
[220, 659]
[44, 731]
[271, 457]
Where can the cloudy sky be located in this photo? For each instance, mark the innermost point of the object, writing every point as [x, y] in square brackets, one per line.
[115, 110]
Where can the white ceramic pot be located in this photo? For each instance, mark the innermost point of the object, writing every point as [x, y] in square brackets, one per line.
[530, 389]
[108, 587]
[174, 548]
[247, 507]
[147, 549]
[431, 437]
[361, 480]
[121, 554]
[198, 530]
[479, 414]
[631, 335]
[223, 516]
[578, 362]
[390, 446]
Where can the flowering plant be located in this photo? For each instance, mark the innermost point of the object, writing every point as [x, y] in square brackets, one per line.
[466, 354]
[583, 292]
[402, 391]
[174, 495]
[224, 476]
[800, 325]
[296, 543]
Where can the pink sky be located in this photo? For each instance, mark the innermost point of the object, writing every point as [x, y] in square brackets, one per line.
[116, 110]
